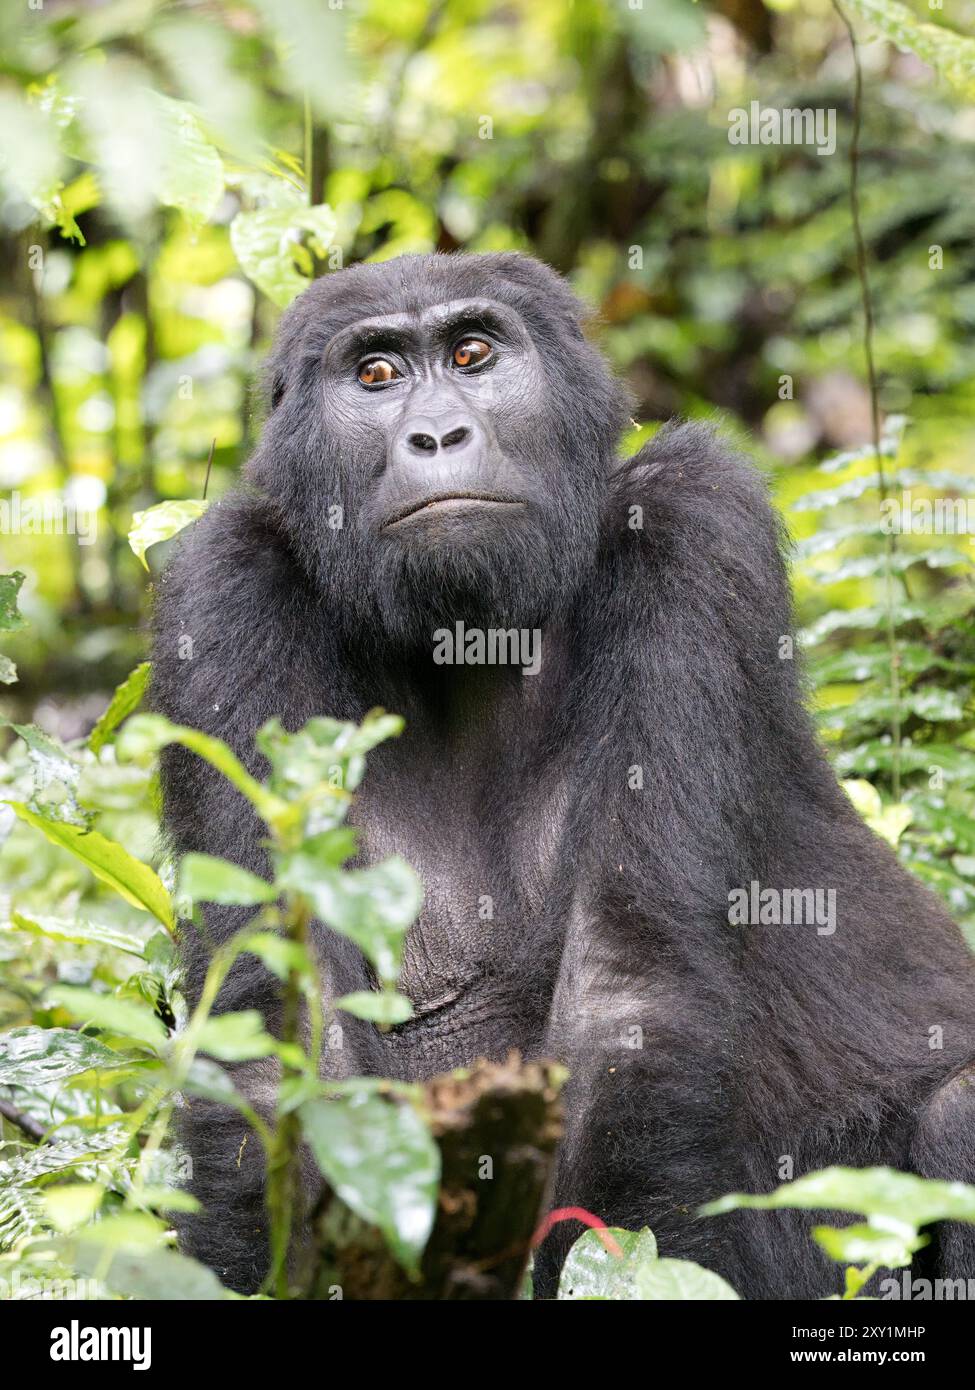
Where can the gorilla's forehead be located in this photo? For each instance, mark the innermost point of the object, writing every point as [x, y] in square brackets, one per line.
[411, 289]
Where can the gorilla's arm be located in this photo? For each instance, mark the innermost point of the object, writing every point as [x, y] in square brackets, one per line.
[703, 1053]
[237, 641]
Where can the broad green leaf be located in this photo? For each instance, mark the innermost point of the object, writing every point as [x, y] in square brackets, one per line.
[951, 54]
[191, 173]
[387, 1007]
[860, 1244]
[161, 522]
[207, 879]
[37, 1056]
[52, 767]
[128, 696]
[900, 1201]
[591, 1270]
[136, 882]
[71, 1205]
[379, 1157]
[124, 1017]
[80, 932]
[374, 907]
[146, 734]
[264, 243]
[153, 1274]
[236, 1037]
[10, 616]
[280, 955]
[672, 1281]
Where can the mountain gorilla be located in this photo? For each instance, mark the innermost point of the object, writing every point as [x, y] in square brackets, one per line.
[442, 449]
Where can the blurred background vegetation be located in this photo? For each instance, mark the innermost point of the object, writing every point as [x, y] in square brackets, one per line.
[173, 173]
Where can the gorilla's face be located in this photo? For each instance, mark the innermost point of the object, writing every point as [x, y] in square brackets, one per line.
[442, 459]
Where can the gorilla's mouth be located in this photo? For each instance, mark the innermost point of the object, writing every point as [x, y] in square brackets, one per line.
[441, 503]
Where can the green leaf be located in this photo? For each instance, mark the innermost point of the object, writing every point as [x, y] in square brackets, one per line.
[672, 1281]
[128, 696]
[123, 1017]
[860, 1244]
[11, 619]
[72, 1204]
[374, 907]
[136, 882]
[80, 932]
[146, 734]
[900, 1200]
[236, 1037]
[380, 1159]
[191, 173]
[264, 242]
[37, 1056]
[951, 54]
[163, 1275]
[161, 523]
[387, 1007]
[52, 767]
[593, 1271]
[205, 878]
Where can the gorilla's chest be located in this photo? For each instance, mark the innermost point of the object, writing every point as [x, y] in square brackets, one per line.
[487, 892]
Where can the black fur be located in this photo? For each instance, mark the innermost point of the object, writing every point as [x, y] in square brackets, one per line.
[661, 649]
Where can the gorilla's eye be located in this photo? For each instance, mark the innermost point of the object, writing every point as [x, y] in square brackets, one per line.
[471, 352]
[377, 370]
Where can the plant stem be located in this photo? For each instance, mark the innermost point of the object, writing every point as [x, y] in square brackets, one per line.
[284, 1154]
[882, 481]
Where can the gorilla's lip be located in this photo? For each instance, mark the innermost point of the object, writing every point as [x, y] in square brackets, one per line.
[449, 501]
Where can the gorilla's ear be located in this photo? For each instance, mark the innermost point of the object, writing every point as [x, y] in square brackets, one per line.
[276, 388]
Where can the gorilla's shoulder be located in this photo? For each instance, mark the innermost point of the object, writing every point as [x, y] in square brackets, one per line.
[236, 541]
[231, 572]
[689, 474]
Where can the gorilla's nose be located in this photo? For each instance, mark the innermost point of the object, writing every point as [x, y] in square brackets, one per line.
[425, 438]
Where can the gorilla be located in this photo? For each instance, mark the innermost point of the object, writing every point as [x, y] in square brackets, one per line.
[441, 457]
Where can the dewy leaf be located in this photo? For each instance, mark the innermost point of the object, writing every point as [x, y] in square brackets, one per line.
[671, 1281]
[191, 173]
[11, 619]
[374, 907]
[900, 1200]
[388, 1007]
[951, 54]
[79, 931]
[593, 1271]
[862, 1245]
[264, 240]
[162, 522]
[380, 1159]
[151, 1274]
[146, 734]
[236, 1037]
[126, 1017]
[36, 1056]
[52, 767]
[205, 878]
[128, 696]
[136, 882]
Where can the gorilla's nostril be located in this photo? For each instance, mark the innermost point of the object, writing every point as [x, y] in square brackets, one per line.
[456, 436]
[424, 442]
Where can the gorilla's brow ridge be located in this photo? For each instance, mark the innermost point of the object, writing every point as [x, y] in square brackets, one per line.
[436, 323]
